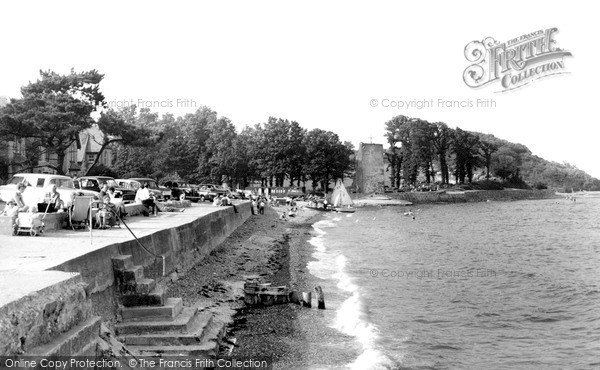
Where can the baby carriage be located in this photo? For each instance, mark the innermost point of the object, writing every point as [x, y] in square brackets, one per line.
[30, 223]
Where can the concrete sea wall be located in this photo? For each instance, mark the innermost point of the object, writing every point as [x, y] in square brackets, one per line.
[81, 293]
[178, 249]
[473, 196]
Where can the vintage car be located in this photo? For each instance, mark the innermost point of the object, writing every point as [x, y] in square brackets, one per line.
[210, 191]
[159, 192]
[94, 183]
[37, 185]
[183, 191]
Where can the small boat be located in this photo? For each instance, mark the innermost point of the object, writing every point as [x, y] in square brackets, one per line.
[340, 199]
[319, 207]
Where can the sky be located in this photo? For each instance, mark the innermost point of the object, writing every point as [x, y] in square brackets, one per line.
[341, 66]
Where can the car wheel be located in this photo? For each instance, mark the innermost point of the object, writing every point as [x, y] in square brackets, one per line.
[182, 196]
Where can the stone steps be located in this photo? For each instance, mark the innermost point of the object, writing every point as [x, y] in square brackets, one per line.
[153, 325]
[171, 309]
[202, 350]
[178, 325]
[80, 339]
[194, 336]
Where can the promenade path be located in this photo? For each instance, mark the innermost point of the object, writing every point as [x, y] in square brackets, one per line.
[24, 260]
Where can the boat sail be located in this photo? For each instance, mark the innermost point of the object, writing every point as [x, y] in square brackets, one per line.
[340, 199]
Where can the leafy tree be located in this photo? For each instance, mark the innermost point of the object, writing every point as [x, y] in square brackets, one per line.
[442, 138]
[52, 113]
[117, 127]
[326, 157]
[465, 146]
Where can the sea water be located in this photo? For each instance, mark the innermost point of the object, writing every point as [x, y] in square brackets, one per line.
[465, 286]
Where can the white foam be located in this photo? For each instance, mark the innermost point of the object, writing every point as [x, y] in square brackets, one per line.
[351, 317]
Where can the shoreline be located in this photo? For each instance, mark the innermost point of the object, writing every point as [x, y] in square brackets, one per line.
[278, 251]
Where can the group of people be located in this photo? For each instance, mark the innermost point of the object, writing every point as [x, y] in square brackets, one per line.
[108, 213]
[313, 201]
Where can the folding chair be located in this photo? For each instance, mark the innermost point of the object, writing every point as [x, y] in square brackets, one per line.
[79, 213]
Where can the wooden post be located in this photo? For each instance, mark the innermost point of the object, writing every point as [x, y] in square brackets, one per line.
[306, 299]
[320, 297]
[294, 297]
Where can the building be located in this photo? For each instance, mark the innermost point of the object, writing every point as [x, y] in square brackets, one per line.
[369, 176]
[79, 157]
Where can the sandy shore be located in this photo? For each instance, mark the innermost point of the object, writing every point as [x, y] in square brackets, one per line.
[278, 251]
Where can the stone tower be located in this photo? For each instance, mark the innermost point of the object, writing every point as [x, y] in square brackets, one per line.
[369, 176]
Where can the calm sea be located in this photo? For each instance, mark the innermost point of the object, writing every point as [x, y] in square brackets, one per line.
[465, 286]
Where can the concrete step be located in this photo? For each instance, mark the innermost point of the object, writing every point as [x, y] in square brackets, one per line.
[154, 298]
[215, 331]
[208, 349]
[195, 335]
[133, 274]
[169, 311]
[122, 262]
[71, 342]
[145, 286]
[180, 324]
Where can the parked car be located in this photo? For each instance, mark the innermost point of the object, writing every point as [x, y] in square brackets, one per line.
[94, 183]
[37, 185]
[190, 192]
[159, 192]
[210, 191]
[174, 187]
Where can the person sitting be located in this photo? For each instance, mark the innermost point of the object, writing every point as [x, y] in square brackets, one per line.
[18, 198]
[225, 201]
[117, 202]
[143, 196]
[52, 199]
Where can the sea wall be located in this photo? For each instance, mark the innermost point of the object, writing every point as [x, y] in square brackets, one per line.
[473, 196]
[177, 248]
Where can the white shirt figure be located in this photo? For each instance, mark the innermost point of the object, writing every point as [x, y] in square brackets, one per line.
[142, 194]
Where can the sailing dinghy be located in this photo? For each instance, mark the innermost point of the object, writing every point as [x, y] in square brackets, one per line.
[340, 199]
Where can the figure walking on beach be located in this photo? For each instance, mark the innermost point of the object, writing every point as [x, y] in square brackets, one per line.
[261, 207]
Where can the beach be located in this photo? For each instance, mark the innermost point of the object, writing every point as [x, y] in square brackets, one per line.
[276, 250]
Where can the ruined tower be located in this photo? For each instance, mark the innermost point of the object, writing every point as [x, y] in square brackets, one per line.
[369, 176]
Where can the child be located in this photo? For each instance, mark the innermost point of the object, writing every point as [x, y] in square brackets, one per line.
[11, 209]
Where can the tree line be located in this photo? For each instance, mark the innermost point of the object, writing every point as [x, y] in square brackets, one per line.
[199, 147]
[420, 150]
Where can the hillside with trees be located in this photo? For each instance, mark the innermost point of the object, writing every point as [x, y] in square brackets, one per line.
[424, 152]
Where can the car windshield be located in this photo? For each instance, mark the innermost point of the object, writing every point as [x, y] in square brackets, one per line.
[107, 181]
[63, 183]
[149, 183]
[112, 183]
[16, 179]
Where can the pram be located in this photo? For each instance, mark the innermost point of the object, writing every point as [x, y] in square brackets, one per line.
[30, 223]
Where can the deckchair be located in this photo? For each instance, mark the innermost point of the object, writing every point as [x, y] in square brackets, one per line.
[79, 213]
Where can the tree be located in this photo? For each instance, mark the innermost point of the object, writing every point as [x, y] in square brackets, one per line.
[466, 147]
[52, 113]
[117, 127]
[442, 138]
[487, 149]
[326, 157]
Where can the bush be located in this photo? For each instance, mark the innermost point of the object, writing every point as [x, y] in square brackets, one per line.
[540, 185]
